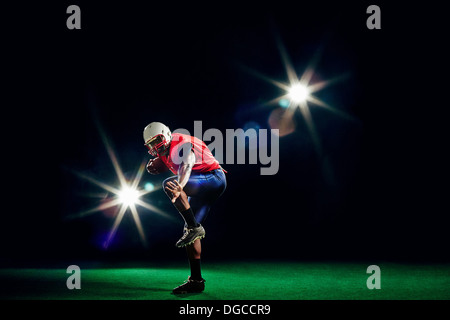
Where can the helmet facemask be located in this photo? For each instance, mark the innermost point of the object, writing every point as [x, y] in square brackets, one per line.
[157, 145]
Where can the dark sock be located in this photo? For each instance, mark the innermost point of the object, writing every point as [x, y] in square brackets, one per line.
[196, 272]
[189, 218]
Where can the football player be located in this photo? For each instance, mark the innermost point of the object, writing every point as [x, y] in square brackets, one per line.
[199, 182]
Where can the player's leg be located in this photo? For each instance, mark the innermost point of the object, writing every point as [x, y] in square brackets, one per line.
[195, 282]
[207, 187]
[194, 251]
[193, 230]
[182, 202]
[205, 191]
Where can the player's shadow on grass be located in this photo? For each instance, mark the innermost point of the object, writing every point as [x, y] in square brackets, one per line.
[203, 295]
[185, 295]
[146, 289]
[149, 289]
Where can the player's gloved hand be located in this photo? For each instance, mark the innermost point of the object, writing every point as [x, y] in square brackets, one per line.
[176, 189]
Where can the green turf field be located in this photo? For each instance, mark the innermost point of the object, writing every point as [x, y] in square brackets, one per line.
[232, 281]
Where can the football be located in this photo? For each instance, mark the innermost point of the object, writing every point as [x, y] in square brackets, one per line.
[156, 166]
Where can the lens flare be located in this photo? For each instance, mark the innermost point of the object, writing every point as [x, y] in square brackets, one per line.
[128, 196]
[298, 93]
[298, 96]
[149, 186]
[125, 198]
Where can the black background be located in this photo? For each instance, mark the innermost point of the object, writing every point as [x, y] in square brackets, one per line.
[131, 64]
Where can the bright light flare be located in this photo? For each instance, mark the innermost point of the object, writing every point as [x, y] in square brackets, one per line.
[298, 93]
[128, 196]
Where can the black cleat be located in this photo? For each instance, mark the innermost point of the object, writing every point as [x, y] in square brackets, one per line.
[190, 286]
[190, 235]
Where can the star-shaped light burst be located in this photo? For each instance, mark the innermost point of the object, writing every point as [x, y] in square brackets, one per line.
[299, 94]
[126, 197]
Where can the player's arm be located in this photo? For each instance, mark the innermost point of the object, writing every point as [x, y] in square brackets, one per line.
[184, 172]
[185, 169]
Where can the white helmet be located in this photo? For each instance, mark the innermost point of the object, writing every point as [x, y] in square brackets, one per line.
[157, 138]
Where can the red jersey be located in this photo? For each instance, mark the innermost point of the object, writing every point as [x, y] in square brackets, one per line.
[204, 159]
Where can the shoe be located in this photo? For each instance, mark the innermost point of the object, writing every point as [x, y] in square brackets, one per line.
[190, 286]
[190, 235]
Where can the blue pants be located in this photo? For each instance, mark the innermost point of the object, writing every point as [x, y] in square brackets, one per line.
[202, 189]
